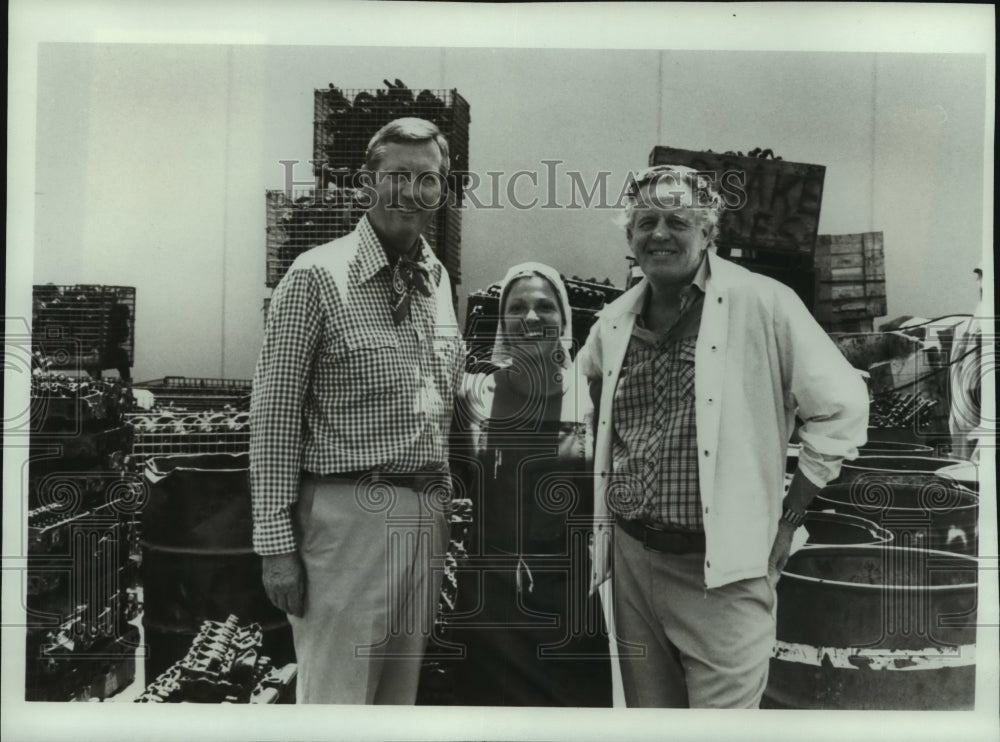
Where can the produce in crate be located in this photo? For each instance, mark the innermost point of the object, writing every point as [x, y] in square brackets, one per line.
[897, 410]
[86, 327]
[184, 422]
[169, 432]
[58, 400]
[344, 125]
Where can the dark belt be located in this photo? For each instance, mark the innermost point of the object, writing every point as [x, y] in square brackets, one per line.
[662, 539]
[417, 481]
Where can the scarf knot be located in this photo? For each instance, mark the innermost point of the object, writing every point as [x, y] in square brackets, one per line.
[408, 276]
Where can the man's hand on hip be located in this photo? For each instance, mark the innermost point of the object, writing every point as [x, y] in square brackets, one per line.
[801, 492]
[285, 582]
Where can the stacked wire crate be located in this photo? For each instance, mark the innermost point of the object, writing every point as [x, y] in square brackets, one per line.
[191, 416]
[81, 570]
[344, 121]
[90, 327]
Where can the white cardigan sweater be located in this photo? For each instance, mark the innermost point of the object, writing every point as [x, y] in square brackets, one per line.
[760, 360]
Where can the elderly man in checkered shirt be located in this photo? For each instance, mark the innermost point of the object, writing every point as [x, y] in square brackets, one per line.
[351, 408]
[700, 370]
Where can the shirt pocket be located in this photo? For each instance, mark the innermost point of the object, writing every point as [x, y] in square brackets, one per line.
[447, 359]
[370, 365]
[684, 371]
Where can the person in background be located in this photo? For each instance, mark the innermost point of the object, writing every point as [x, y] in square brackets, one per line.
[965, 415]
[531, 633]
[700, 370]
[350, 413]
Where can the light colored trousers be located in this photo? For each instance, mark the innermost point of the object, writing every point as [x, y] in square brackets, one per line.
[681, 645]
[372, 562]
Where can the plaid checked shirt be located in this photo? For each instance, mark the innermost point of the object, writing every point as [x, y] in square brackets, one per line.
[654, 444]
[339, 387]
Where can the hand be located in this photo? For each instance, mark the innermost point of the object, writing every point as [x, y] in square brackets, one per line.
[779, 552]
[284, 582]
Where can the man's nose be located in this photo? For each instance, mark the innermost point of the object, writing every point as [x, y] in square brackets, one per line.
[660, 231]
[406, 187]
[531, 316]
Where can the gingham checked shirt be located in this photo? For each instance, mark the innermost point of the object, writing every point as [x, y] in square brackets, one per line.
[654, 444]
[339, 387]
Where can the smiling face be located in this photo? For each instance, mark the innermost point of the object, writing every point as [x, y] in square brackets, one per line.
[667, 236]
[408, 188]
[531, 311]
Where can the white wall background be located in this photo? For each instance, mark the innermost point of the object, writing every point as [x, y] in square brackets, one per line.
[152, 161]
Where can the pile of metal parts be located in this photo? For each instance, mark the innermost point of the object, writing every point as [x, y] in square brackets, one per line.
[81, 561]
[223, 665]
[896, 410]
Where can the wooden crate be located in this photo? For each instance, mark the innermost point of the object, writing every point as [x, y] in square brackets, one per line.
[850, 279]
[780, 210]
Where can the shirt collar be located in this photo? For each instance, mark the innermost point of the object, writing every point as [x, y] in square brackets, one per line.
[700, 280]
[372, 257]
[697, 286]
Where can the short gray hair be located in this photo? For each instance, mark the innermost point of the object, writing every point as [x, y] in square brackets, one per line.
[707, 200]
[408, 130]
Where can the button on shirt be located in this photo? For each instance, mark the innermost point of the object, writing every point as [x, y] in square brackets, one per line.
[654, 445]
[339, 387]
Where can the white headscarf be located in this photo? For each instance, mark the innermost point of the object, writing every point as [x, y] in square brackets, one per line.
[501, 355]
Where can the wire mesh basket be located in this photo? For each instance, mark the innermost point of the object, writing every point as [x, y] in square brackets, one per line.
[299, 220]
[175, 433]
[84, 326]
[194, 393]
[345, 120]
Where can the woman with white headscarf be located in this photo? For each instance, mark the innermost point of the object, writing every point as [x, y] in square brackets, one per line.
[533, 636]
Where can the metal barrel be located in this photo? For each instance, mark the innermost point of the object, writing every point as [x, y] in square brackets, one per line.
[197, 560]
[875, 627]
[893, 467]
[927, 512]
[837, 529]
[965, 473]
[895, 448]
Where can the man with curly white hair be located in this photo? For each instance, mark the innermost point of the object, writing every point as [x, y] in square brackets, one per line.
[700, 371]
